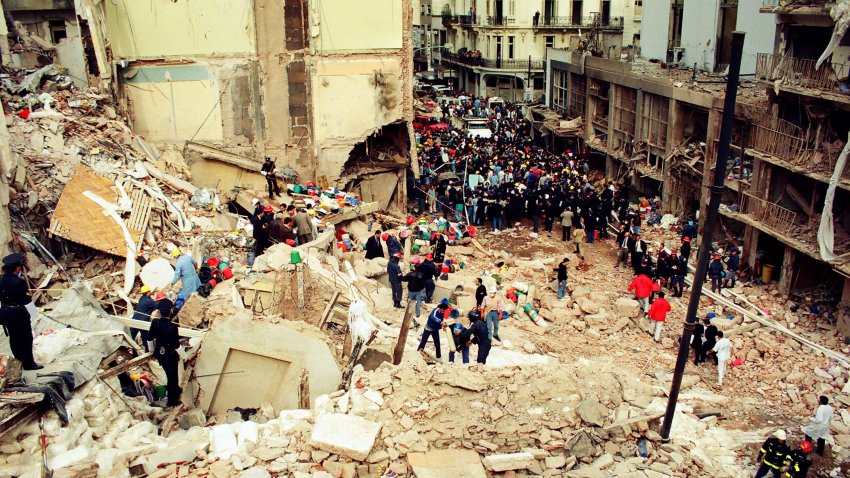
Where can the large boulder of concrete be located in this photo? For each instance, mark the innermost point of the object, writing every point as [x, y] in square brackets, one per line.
[626, 307]
[345, 435]
[587, 306]
[592, 412]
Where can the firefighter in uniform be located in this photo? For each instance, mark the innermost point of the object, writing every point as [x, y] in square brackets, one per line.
[16, 311]
[772, 455]
[799, 462]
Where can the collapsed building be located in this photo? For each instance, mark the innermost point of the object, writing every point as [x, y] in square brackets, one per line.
[654, 122]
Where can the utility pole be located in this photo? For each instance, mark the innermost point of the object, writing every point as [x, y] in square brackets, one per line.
[708, 230]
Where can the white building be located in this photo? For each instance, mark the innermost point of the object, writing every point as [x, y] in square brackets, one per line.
[699, 32]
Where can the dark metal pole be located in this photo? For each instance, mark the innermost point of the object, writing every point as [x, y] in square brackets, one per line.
[708, 230]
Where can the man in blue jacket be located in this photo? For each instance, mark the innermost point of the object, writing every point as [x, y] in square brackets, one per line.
[433, 326]
[461, 336]
[143, 312]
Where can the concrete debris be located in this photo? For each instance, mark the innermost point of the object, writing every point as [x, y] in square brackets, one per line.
[510, 461]
[345, 435]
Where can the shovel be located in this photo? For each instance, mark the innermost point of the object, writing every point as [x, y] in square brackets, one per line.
[45, 471]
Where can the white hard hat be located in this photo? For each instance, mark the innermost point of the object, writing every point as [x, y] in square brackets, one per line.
[492, 290]
[780, 434]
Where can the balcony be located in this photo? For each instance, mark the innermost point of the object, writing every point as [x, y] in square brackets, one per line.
[561, 23]
[501, 21]
[768, 213]
[800, 73]
[536, 65]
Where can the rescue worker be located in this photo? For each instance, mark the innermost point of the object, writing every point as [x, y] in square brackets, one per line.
[166, 338]
[438, 243]
[433, 326]
[142, 312]
[733, 263]
[269, 170]
[261, 224]
[493, 307]
[17, 311]
[393, 245]
[819, 428]
[798, 462]
[185, 271]
[710, 341]
[304, 226]
[480, 336]
[461, 336]
[373, 246]
[642, 285]
[678, 269]
[394, 271]
[415, 289]
[772, 455]
[715, 272]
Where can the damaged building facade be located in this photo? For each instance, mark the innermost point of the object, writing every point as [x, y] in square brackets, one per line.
[322, 87]
[655, 124]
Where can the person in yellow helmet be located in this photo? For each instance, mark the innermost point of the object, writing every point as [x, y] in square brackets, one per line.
[142, 312]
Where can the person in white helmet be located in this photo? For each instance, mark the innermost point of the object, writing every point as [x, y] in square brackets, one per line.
[772, 455]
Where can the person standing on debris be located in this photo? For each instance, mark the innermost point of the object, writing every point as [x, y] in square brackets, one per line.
[715, 272]
[798, 462]
[578, 241]
[373, 246]
[642, 285]
[269, 170]
[429, 272]
[710, 339]
[394, 271]
[639, 249]
[733, 263]
[678, 269]
[262, 223]
[624, 239]
[493, 307]
[438, 243]
[696, 341]
[657, 314]
[685, 250]
[185, 271]
[415, 288]
[566, 224]
[480, 292]
[304, 226]
[17, 311]
[166, 338]
[562, 278]
[772, 455]
[433, 327]
[480, 336]
[819, 428]
[723, 350]
[142, 312]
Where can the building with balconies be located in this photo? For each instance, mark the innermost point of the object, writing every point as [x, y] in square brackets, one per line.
[499, 46]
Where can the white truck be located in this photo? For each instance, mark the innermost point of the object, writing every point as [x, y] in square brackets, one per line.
[477, 127]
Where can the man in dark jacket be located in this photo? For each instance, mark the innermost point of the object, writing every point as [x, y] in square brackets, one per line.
[715, 272]
[269, 170]
[429, 271]
[17, 311]
[710, 339]
[394, 271]
[393, 245]
[438, 243]
[732, 266]
[373, 246]
[164, 334]
[798, 461]
[638, 252]
[678, 270]
[480, 335]
[685, 250]
[480, 292]
[461, 336]
[415, 288]
[696, 341]
[433, 326]
[142, 312]
[562, 278]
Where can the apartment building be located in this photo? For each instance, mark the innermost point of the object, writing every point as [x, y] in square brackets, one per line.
[499, 46]
[656, 126]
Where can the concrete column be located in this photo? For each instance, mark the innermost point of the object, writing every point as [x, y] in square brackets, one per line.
[750, 246]
[845, 294]
[787, 273]
[712, 136]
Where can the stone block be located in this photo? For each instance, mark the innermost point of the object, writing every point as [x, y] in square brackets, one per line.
[192, 418]
[509, 461]
[184, 452]
[446, 463]
[592, 412]
[626, 307]
[345, 435]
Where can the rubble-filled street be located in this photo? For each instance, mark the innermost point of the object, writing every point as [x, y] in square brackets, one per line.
[345, 269]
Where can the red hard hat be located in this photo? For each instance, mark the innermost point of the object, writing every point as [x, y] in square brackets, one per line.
[268, 208]
[398, 255]
[429, 256]
[806, 446]
[290, 242]
[385, 236]
[159, 296]
[687, 239]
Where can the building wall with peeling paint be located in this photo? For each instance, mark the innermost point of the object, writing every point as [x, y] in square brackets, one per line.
[300, 81]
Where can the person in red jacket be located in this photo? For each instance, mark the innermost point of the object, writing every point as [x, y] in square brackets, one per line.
[657, 314]
[642, 285]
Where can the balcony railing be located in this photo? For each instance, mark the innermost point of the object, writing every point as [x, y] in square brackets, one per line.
[785, 141]
[467, 19]
[771, 214]
[799, 72]
[492, 63]
[613, 23]
[501, 21]
[813, 151]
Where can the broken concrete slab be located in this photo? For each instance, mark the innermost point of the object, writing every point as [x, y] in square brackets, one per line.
[346, 435]
[626, 307]
[183, 452]
[443, 463]
[508, 462]
[592, 412]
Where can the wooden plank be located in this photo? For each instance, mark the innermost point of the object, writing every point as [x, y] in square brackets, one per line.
[125, 366]
[22, 415]
[328, 308]
[144, 325]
